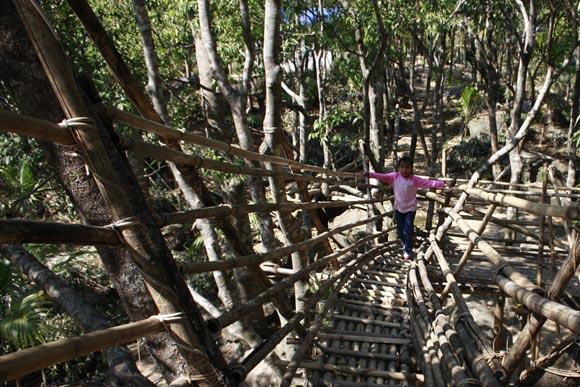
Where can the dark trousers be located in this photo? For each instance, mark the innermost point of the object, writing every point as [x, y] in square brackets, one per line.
[405, 229]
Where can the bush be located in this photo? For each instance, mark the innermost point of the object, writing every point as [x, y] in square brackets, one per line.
[467, 156]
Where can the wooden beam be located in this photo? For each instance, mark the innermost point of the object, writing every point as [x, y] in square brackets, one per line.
[19, 231]
[36, 128]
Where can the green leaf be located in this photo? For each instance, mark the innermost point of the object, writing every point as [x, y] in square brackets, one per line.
[23, 325]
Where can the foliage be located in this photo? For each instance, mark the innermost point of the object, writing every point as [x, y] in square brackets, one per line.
[23, 324]
[467, 156]
[576, 139]
[471, 103]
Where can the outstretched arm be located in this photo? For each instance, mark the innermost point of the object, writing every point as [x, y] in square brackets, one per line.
[387, 178]
[428, 183]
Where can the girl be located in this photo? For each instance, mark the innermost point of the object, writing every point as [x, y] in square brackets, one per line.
[405, 186]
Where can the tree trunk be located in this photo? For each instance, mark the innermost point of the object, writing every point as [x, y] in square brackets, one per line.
[237, 103]
[213, 104]
[154, 88]
[574, 124]
[273, 130]
[122, 367]
[24, 80]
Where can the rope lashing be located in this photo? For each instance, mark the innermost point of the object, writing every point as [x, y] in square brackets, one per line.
[75, 122]
[123, 223]
[170, 317]
[132, 221]
[270, 129]
[500, 268]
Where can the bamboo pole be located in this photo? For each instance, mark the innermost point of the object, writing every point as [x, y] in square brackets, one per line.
[176, 135]
[502, 183]
[534, 324]
[180, 158]
[225, 210]
[471, 245]
[561, 314]
[445, 357]
[19, 231]
[123, 198]
[121, 363]
[256, 259]
[36, 128]
[419, 341]
[494, 257]
[20, 363]
[469, 332]
[566, 212]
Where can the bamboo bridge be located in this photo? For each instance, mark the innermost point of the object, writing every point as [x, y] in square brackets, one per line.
[373, 319]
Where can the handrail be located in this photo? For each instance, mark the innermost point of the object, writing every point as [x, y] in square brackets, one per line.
[176, 135]
[256, 259]
[17, 364]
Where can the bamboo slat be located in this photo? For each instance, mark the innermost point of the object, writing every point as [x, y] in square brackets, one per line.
[260, 352]
[233, 315]
[346, 370]
[379, 338]
[17, 364]
[20, 231]
[369, 321]
[316, 324]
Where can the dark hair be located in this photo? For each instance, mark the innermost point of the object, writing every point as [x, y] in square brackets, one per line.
[405, 159]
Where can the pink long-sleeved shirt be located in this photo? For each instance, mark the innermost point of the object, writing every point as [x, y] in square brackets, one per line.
[405, 189]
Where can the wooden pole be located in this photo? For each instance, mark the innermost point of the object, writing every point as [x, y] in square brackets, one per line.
[225, 210]
[34, 127]
[180, 158]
